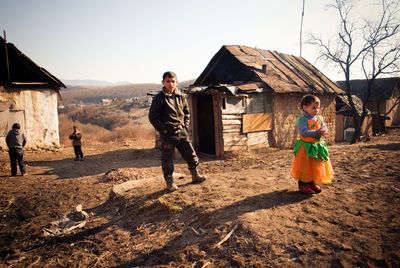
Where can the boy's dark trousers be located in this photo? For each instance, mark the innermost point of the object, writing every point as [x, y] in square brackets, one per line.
[15, 157]
[181, 142]
[78, 151]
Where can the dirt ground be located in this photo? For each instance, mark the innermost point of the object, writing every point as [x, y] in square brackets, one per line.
[249, 199]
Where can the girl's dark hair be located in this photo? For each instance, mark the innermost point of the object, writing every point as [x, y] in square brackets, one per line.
[308, 99]
[169, 75]
[16, 125]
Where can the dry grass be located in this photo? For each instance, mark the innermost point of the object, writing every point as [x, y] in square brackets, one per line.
[93, 134]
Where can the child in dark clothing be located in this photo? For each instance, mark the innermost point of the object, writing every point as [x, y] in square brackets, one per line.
[76, 137]
[169, 114]
[16, 141]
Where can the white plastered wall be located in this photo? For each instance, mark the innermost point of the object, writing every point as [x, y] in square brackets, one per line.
[40, 116]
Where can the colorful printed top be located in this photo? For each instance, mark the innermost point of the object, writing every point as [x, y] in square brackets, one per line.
[310, 136]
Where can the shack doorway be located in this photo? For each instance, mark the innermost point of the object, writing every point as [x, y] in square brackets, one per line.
[205, 124]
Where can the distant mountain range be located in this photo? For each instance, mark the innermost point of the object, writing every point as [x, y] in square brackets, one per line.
[78, 83]
[91, 82]
[94, 93]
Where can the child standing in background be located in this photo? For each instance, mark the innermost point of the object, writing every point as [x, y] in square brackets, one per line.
[311, 165]
[76, 137]
[16, 141]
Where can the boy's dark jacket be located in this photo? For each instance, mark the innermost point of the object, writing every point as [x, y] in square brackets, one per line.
[169, 112]
[76, 139]
[16, 139]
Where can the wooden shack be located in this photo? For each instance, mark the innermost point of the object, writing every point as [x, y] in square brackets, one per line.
[345, 121]
[248, 97]
[386, 93]
[28, 96]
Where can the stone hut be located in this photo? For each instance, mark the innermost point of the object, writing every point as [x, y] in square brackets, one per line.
[28, 96]
[248, 97]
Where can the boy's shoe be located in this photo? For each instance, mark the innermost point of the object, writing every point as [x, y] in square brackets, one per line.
[76, 159]
[24, 174]
[315, 188]
[306, 189]
[196, 177]
[171, 186]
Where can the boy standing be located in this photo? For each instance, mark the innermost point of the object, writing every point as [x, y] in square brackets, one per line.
[76, 137]
[16, 141]
[169, 114]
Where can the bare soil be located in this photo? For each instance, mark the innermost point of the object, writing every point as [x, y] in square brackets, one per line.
[249, 196]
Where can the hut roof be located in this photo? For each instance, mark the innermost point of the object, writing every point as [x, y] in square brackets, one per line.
[23, 71]
[383, 87]
[343, 105]
[281, 73]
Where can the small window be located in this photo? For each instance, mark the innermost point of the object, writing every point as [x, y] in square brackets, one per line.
[235, 102]
[259, 103]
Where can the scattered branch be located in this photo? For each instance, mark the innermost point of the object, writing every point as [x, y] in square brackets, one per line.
[227, 236]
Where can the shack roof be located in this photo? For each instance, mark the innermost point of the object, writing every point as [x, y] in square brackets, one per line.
[24, 73]
[343, 105]
[281, 73]
[383, 87]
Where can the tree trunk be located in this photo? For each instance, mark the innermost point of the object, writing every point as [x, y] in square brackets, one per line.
[357, 127]
[381, 119]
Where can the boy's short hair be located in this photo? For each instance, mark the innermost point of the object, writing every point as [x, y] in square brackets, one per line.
[16, 125]
[308, 99]
[169, 74]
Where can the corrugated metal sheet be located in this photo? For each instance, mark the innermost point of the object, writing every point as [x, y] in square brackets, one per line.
[282, 73]
[235, 90]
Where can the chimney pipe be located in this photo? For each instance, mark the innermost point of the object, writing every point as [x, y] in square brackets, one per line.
[264, 68]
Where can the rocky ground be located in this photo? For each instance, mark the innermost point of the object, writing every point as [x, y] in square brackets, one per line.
[247, 214]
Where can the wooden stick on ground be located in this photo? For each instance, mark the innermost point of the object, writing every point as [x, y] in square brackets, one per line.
[227, 236]
[206, 264]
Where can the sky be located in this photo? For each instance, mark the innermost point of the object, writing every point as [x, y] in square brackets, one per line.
[137, 41]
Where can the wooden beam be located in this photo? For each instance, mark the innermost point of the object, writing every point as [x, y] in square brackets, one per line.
[217, 106]
[7, 63]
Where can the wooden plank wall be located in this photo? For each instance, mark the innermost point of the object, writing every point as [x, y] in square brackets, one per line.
[232, 135]
[232, 129]
[339, 135]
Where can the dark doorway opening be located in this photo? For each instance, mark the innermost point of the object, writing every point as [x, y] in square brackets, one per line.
[206, 131]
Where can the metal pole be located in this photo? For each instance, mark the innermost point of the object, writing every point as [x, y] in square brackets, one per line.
[301, 27]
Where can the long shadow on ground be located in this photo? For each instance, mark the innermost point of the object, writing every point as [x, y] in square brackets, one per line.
[100, 163]
[386, 147]
[130, 220]
[212, 219]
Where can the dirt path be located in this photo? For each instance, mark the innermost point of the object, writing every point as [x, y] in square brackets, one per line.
[354, 222]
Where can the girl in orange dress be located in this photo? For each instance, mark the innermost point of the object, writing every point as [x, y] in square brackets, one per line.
[311, 165]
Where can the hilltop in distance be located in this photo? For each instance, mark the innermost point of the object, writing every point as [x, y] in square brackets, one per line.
[91, 82]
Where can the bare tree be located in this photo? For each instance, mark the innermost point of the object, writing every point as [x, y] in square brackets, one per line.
[382, 58]
[374, 43]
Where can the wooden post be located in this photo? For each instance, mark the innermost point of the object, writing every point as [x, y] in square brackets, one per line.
[217, 106]
[6, 51]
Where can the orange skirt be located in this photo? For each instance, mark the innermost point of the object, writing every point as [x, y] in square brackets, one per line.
[307, 169]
